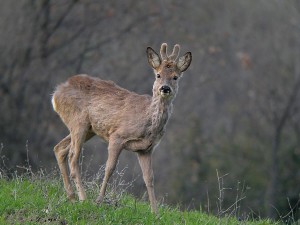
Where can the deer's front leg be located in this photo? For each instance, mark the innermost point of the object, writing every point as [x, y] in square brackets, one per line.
[114, 150]
[146, 166]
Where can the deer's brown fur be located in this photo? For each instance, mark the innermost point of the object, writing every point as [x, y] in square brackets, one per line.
[90, 106]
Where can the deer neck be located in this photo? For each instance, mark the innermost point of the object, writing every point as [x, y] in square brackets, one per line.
[159, 113]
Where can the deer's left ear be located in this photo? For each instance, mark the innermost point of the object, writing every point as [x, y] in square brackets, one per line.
[153, 58]
[184, 61]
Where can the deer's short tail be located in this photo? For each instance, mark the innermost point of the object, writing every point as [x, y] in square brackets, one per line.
[53, 100]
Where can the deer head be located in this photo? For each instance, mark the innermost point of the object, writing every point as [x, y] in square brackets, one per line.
[167, 69]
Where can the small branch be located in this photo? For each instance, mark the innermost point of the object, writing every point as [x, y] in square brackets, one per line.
[290, 103]
[62, 18]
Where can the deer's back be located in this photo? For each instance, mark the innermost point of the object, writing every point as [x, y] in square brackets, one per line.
[102, 104]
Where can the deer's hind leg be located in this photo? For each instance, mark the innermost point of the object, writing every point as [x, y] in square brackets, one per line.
[61, 151]
[78, 137]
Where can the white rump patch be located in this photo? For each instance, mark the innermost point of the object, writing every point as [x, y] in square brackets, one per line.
[53, 103]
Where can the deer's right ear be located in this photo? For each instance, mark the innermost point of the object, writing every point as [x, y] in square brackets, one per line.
[153, 58]
[184, 61]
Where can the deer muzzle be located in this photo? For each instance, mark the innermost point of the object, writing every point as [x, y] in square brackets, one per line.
[165, 90]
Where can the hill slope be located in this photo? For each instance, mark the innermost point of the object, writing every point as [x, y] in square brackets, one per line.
[37, 200]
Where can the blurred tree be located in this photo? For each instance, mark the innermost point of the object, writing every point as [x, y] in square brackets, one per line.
[237, 110]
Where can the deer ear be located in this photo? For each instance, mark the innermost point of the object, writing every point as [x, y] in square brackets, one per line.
[153, 58]
[184, 61]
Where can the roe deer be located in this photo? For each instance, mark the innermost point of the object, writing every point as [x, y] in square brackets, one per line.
[90, 106]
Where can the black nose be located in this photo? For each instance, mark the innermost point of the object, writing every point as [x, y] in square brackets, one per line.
[165, 89]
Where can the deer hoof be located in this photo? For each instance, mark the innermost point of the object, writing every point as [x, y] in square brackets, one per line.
[99, 200]
[72, 198]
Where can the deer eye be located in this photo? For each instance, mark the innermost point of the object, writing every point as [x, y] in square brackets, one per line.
[157, 75]
[175, 78]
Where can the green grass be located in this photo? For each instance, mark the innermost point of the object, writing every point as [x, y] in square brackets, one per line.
[38, 200]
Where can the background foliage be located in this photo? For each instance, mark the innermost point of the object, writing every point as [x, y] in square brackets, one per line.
[237, 110]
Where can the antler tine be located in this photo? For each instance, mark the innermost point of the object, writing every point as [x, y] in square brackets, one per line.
[163, 51]
[175, 52]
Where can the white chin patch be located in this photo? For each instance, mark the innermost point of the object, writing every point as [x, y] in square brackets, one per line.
[164, 94]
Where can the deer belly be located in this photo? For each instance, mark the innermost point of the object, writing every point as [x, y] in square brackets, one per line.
[139, 145]
[101, 131]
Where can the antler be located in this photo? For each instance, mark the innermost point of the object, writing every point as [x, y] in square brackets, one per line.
[175, 52]
[163, 51]
[164, 54]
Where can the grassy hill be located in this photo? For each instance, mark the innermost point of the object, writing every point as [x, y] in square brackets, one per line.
[37, 199]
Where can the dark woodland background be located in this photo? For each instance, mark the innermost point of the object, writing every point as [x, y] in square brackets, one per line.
[236, 120]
